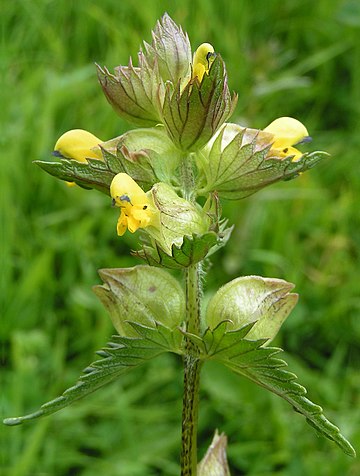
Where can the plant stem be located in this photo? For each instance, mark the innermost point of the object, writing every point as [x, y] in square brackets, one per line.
[190, 416]
[187, 177]
[192, 366]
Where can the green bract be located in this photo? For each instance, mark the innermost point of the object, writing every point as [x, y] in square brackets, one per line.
[178, 217]
[237, 162]
[192, 115]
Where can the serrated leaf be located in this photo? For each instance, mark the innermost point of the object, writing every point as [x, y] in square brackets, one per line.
[193, 249]
[244, 166]
[252, 360]
[120, 356]
[87, 174]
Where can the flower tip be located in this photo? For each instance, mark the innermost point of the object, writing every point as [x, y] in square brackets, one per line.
[203, 58]
[78, 144]
[287, 128]
[287, 133]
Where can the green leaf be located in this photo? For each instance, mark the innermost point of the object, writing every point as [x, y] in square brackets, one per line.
[91, 174]
[141, 294]
[252, 360]
[237, 164]
[121, 355]
[193, 249]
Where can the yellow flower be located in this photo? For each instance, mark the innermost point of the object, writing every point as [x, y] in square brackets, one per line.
[137, 210]
[287, 132]
[203, 58]
[79, 145]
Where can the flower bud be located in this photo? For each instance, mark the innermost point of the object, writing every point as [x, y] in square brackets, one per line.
[203, 58]
[170, 51]
[214, 463]
[79, 145]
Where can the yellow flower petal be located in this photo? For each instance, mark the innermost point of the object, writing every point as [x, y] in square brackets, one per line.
[287, 132]
[79, 145]
[203, 58]
[121, 224]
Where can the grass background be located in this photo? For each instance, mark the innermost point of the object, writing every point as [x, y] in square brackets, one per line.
[285, 57]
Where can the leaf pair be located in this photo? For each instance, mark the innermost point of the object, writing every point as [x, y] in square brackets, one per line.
[154, 298]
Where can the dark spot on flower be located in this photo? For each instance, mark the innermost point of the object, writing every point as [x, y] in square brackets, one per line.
[144, 207]
[285, 150]
[152, 289]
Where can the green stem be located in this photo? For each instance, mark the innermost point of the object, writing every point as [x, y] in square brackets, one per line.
[192, 366]
[187, 177]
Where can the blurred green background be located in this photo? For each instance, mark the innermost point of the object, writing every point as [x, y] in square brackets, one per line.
[284, 58]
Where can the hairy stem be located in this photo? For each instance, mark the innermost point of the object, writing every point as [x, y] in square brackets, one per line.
[187, 177]
[190, 415]
[192, 366]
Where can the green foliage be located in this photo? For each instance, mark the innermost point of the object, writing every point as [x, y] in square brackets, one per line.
[250, 359]
[246, 357]
[283, 59]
